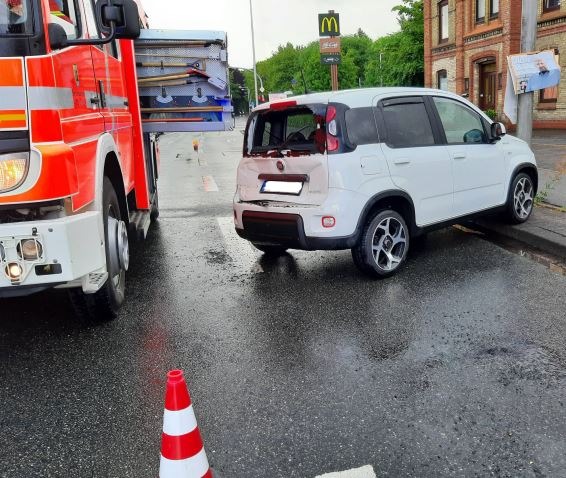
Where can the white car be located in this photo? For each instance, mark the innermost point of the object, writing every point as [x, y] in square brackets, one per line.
[370, 169]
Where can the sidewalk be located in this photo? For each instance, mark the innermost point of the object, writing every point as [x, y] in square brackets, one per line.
[545, 230]
[549, 147]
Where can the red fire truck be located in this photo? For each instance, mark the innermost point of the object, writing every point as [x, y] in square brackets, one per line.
[78, 173]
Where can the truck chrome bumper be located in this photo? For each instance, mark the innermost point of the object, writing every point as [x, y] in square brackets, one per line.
[42, 254]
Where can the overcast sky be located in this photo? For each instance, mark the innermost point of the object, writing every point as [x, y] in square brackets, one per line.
[276, 21]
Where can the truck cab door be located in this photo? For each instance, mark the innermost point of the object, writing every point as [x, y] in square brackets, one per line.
[111, 97]
[61, 86]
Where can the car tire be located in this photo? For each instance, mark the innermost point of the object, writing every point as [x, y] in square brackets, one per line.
[271, 251]
[384, 244]
[103, 305]
[520, 202]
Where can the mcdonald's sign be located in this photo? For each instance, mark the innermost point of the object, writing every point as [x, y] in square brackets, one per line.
[329, 24]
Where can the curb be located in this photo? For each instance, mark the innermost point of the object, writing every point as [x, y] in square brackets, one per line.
[544, 240]
[553, 207]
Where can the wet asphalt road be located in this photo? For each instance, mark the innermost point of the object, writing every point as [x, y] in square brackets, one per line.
[297, 366]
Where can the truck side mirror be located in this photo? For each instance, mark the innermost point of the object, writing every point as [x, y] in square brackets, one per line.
[123, 14]
[57, 36]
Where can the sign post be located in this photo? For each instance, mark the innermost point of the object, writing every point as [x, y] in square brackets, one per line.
[330, 49]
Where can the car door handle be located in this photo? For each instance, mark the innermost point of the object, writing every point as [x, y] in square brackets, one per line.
[459, 155]
[401, 161]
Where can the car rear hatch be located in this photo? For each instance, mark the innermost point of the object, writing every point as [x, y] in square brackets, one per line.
[285, 154]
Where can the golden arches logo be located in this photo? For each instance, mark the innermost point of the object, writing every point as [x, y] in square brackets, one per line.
[329, 24]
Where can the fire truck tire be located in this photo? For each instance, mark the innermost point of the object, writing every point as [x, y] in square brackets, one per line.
[154, 211]
[104, 305]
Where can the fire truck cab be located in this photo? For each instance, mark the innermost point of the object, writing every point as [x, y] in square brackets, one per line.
[77, 172]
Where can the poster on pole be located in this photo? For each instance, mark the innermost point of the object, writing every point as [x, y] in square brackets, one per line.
[528, 72]
[533, 71]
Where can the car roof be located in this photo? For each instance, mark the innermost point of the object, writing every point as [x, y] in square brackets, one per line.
[357, 97]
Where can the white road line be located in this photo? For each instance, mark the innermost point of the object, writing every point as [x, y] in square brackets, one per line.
[242, 252]
[363, 472]
[209, 184]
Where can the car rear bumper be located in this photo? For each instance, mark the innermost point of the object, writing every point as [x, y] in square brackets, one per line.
[71, 249]
[283, 229]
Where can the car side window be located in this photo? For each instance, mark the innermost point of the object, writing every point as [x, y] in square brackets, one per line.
[461, 124]
[407, 124]
[360, 125]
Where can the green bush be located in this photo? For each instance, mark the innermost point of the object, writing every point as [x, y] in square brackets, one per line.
[491, 113]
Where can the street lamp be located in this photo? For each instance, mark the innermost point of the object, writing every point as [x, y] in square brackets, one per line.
[253, 52]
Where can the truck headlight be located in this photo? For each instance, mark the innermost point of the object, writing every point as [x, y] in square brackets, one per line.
[30, 250]
[13, 170]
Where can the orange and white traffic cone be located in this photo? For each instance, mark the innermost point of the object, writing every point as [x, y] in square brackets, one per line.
[182, 451]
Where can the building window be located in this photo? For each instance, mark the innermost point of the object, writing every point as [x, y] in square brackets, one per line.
[493, 8]
[443, 21]
[550, 95]
[550, 5]
[442, 80]
[480, 11]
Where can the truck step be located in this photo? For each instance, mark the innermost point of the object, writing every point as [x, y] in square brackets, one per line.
[94, 282]
[139, 224]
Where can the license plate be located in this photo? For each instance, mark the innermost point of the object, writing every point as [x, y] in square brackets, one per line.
[281, 187]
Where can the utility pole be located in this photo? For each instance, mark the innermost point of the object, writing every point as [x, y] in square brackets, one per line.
[253, 51]
[528, 41]
[333, 69]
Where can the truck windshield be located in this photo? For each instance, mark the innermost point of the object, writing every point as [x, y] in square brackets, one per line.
[15, 17]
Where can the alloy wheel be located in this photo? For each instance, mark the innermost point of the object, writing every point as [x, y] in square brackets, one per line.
[389, 244]
[523, 198]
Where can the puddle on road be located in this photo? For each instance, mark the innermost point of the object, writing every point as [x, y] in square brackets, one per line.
[554, 263]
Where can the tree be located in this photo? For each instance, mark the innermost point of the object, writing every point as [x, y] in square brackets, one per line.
[402, 53]
[358, 47]
[239, 96]
[299, 68]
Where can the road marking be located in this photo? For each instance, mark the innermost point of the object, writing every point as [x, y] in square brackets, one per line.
[209, 184]
[241, 251]
[363, 472]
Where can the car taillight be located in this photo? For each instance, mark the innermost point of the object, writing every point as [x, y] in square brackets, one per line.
[332, 143]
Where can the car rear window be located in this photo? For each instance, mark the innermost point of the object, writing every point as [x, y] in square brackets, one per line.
[298, 129]
[361, 127]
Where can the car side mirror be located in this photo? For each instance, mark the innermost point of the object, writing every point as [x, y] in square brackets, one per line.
[474, 136]
[57, 36]
[497, 131]
[123, 14]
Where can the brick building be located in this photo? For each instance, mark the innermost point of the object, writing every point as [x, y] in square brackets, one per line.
[466, 47]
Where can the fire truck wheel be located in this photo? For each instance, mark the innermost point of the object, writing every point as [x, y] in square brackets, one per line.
[104, 304]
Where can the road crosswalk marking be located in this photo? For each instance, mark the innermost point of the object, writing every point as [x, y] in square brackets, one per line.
[363, 472]
[242, 252]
